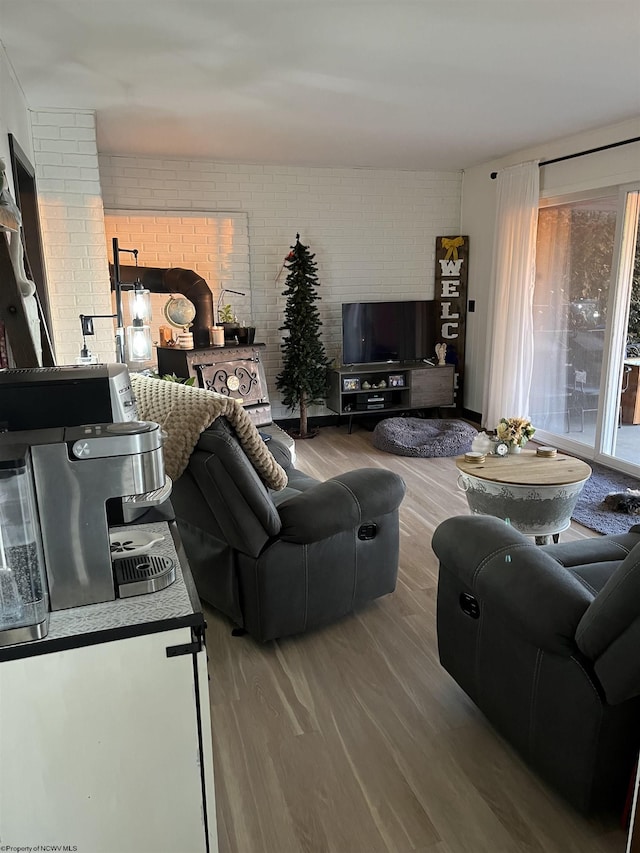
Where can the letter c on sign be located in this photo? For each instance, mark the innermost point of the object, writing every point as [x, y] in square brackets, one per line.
[447, 330]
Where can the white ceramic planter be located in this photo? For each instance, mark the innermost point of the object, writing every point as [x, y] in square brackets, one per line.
[533, 510]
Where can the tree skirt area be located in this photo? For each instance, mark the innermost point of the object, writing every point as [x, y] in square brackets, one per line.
[425, 437]
[590, 510]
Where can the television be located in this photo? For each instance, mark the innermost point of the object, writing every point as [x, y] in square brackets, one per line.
[388, 331]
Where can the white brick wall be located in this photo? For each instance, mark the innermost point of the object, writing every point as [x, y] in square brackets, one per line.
[373, 232]
[216, 246]
[72, 221]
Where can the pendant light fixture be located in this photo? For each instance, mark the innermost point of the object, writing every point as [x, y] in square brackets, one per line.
[133, 343]
[139, 343]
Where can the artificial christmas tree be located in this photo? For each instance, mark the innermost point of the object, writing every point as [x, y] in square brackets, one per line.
[303, 380]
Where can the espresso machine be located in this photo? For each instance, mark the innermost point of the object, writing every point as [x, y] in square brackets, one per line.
[68, 395]
[81, 475]
[74, 461]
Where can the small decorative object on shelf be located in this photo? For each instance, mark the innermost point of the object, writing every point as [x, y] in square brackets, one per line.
[246, 334]
[501, 448]
[482, 443]
[441, 352]
[516, 432]
[180, 313]
[547, 452]
[350, 383]
[184, 340]
[217, 336]
[166, 336]
[396, 380]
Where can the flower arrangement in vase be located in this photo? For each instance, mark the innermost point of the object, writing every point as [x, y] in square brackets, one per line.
[515, 431]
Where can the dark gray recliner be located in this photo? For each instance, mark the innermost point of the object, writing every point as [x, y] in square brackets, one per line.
[546, 642]
[280, 563]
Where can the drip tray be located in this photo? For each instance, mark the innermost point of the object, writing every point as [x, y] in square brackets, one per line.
[146, 573]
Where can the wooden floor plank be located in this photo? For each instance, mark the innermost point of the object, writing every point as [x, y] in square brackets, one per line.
[352, 738]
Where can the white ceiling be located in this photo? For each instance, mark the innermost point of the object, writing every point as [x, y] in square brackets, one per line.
[427, 84]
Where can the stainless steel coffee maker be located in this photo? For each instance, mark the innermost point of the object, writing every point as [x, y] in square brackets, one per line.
[77, 473]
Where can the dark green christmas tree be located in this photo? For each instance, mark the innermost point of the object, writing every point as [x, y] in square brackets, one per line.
[303, 380]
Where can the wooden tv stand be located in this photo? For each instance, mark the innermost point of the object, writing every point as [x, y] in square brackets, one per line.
[361, 389]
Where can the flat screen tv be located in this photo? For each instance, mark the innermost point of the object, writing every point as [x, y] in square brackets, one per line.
[388, 331]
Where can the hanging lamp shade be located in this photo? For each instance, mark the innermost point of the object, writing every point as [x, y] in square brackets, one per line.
[140, 303]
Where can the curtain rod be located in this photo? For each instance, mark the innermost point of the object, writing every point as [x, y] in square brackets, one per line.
[494, 175]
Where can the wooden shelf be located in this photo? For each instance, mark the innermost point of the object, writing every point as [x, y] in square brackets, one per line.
[375, 388]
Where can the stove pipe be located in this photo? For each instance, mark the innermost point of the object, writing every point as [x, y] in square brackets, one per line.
[178, 280]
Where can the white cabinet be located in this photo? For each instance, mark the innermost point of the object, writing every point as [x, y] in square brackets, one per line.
[106, 746]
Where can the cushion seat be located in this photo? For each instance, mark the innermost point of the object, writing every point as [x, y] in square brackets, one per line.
[423, 437]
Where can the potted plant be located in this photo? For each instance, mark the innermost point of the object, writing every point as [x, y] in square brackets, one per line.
[229, 323]
[182, 380]
[516, 432]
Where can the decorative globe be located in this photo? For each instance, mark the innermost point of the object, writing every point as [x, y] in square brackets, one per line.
[180, 312]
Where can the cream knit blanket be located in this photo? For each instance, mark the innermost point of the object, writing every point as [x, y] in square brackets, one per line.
[184, 412]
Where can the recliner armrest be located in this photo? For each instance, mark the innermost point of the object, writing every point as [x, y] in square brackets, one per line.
[515, 579]
[341, 503]
[280, 453]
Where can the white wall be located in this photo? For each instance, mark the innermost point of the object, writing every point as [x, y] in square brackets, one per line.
[604, 169]
[215, 246]
[373, 232]
[72, 222]
[14, 115]
[14, 119]
[62, 147]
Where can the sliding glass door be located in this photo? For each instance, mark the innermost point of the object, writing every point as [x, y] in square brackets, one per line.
[620, 427]
[587, 325]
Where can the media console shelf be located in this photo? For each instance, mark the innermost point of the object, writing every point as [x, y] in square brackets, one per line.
[372, 388]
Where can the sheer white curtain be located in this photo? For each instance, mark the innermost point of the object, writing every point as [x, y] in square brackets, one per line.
[510, 354]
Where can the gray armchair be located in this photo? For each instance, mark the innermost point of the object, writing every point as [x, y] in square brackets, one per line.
[279, 563]
[546, 642]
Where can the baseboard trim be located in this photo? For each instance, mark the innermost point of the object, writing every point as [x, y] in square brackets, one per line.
[317, 421]
[474, 417]
[359, 417]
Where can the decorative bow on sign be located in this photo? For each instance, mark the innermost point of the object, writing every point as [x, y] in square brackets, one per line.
[452, 244]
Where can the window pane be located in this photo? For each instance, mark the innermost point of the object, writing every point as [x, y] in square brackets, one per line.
[627, 444]
[573, 269]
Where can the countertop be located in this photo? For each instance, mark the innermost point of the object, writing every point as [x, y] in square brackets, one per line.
[176, 606]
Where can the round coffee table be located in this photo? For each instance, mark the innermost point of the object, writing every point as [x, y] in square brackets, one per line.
[535, 494]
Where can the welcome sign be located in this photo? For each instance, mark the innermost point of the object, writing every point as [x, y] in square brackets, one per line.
[452, 260]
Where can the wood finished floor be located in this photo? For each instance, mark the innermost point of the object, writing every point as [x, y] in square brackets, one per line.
[352, 739]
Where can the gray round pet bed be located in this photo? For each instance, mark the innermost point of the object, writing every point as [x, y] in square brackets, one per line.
[423, 437]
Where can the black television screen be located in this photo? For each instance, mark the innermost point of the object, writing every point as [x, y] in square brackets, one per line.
[388, 331]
